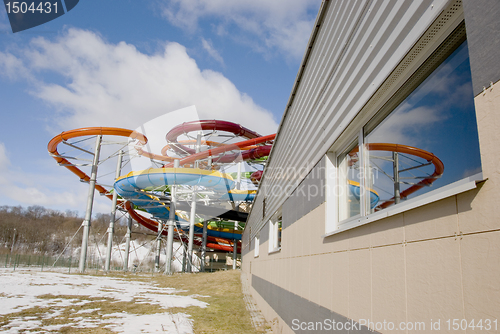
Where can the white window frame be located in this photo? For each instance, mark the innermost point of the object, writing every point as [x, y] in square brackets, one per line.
[274, 242]
[257, 245]
[333, 178]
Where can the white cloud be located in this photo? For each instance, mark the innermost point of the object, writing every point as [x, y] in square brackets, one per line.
[284, 25]
[207, 45]
[401, 126]
[107, 84]
[12, 67]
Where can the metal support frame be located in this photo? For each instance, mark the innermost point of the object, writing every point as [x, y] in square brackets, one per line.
[193, 211]
[171, 223]
[235, 242]
[235, 252]
[13, 241]
[90, 203]
[158, 247]
[395, 158]
[203, 247]
[128, 236]
[111, 228]
[184, 259]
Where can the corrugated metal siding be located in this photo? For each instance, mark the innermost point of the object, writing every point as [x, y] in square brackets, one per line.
[483, 35]
[308, 196]
[359, 43]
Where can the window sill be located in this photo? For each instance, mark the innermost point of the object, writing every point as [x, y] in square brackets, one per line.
[432, 196]
[276, 250]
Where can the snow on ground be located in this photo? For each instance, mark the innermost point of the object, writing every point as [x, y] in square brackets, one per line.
[141, 255]
[22, 291]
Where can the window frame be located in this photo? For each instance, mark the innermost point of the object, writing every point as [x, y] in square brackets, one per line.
[274, 232]
[355, 131]
[256, 250]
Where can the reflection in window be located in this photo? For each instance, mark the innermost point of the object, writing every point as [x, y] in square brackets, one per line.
[429, 140]
[349, 182]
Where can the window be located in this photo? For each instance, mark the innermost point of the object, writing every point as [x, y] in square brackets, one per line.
[257, 245]
[428, 141]
[275, 232]
[349, 200]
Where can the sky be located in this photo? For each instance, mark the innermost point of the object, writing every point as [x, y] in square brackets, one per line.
[123, 63]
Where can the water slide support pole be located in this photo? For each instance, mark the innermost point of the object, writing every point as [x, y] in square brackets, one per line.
[111, 228]
[193, 210]
[128, 236]
[90, 203]
[13, 241]
[171, 223]
[158, 246]
[203, 246]
[235, 242]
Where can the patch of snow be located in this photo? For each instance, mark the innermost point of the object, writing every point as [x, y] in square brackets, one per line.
[21, 290]
[151, 323]
[90, 310]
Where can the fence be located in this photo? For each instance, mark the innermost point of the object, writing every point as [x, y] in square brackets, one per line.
[42, 262]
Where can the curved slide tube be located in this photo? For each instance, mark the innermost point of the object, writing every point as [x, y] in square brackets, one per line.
[211, 125]
[429, 157]
[354, 189]
[92, 131]
[130, 187]
[229, 147]
[248, 152]
[153, 225]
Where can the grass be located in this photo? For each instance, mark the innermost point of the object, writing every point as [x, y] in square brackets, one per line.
[226, 312]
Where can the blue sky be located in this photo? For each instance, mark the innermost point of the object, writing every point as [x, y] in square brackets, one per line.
[124, 62]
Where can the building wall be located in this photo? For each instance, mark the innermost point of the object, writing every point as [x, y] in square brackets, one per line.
[439, 261]
[432, 263]
[356, 48]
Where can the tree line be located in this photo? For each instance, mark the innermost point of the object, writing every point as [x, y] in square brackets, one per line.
[38, 230]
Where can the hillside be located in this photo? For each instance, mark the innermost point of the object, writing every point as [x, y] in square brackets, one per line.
[41, 231]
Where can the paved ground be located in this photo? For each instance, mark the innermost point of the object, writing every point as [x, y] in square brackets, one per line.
[258, 320]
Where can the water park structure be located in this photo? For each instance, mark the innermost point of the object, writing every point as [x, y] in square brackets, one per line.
[186, 196]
